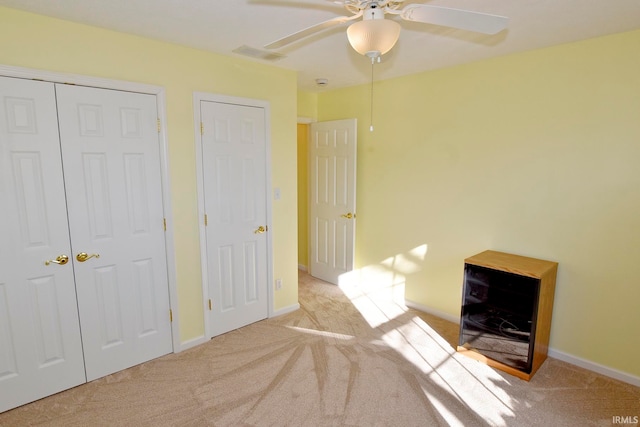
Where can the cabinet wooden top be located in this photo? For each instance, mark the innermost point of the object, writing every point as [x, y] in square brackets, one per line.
[517, 264]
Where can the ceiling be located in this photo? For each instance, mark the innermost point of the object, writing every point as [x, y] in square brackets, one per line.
[222, 26]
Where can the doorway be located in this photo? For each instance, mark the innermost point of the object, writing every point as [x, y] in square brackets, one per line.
[331, 196]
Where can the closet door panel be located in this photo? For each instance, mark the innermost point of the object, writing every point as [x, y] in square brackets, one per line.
[40, 345]
[111, 157]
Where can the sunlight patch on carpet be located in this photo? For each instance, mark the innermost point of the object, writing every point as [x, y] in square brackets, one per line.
[321, 333]
[377, 292]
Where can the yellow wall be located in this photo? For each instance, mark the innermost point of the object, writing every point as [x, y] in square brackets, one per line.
[303, 240]
[535, 154]
[307, 105]
[34, 41]
[308, 112]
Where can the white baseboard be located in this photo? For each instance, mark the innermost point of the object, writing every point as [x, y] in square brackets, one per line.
[556, 354]
[191, 343]
[302, 267]
[285, 310]
[202, 339]
[595, 367]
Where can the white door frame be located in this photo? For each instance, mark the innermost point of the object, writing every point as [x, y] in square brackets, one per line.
[198, 97]
[27, 73]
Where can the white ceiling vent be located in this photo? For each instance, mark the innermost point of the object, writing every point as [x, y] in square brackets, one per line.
[258, 54]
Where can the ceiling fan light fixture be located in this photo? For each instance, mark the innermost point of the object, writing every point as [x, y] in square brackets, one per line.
[373, 37]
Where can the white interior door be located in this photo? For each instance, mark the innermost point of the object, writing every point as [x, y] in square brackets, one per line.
[40, 345]
[332, 210]
[234, 154]
[111, 158]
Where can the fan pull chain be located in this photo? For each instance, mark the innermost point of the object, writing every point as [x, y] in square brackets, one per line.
[371, 106]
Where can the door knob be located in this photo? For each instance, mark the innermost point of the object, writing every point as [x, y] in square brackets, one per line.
[348, 215]
[260, 230]
[62, 260]
[83, 256]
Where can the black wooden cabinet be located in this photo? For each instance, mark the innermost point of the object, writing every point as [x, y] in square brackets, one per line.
[507, 302]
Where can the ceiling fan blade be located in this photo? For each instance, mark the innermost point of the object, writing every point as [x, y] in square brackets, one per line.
[311, 30]
[455, 18]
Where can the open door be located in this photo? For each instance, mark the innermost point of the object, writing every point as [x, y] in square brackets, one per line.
[332, 208]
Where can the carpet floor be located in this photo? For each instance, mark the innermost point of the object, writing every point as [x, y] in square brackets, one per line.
[347, 357]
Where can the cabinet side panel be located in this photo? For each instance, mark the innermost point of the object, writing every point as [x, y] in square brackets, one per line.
[545, 311]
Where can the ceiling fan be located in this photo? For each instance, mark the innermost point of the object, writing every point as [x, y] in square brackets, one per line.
[374, 35]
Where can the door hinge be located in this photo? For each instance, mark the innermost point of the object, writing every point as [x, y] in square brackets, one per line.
[201, 128]
[158, 125]
[170, 315]
[210, 304]
[206, 220]
[164, 222]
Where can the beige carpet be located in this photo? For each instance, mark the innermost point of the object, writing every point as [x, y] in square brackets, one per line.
[346, 358]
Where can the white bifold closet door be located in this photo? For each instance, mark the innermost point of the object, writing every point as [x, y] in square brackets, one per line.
[40, 345]
[80, 181]
[111, 160]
